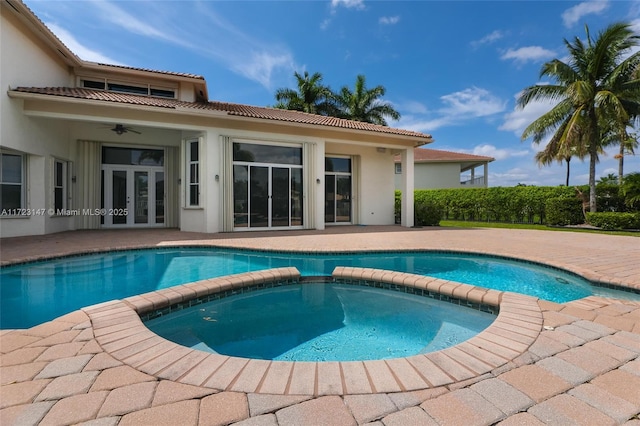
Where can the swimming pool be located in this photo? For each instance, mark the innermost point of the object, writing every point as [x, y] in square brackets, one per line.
[321, 322]
[37, 292]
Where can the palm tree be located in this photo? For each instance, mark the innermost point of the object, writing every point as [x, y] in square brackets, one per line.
[312, 96]
[364, 104]
[555, 152]
[627, 147]
[631, 190]
[593, 88]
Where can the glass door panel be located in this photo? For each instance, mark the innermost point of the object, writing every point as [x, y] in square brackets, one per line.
[329, 198]
[258, 197]
[141, 197]
[240, 196]
[132, 196]
[280, 196]
[296, 197]
[159, 197]
[343, 199]
[120, 196]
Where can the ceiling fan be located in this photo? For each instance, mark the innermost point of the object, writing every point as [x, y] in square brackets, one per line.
[120, 129]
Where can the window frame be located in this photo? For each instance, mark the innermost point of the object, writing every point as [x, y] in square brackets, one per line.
[63, 186]
[22, 184]
[121, 86]
[193, 180]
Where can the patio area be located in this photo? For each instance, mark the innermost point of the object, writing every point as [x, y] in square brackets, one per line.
[548, 363]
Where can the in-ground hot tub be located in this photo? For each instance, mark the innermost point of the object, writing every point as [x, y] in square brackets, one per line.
[119, 330]
[322, 321]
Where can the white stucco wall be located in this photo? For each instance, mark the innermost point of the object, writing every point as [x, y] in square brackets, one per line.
[25, 62]
[374, 192]
[434, 176]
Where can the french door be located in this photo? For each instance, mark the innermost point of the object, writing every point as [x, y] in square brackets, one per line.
[132, 196]
[267, 196]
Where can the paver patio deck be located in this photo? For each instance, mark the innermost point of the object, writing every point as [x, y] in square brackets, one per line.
[578, 364]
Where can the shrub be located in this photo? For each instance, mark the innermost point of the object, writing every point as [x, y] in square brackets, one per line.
[611, 221]
[428, 213]
[564, 211]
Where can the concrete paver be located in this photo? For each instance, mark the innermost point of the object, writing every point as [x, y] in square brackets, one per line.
[584, 367]
[323, 411]
[223, 408]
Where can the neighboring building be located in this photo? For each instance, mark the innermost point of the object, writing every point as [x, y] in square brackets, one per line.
[87, 146]
[435, 169]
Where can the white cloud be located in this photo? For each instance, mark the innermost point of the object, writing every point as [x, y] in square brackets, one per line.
[259, 66]
[389, 20]
[119, 17]
[528, 54]
[499, 153]
[78, 48]
[574, 14]
[412, 107]
[489, 150]
[349, 4]
[518, 120]
[472, 102]
[488, 39]
[458, 107]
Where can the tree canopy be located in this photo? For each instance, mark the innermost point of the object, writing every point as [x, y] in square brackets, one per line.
[597, 91]
[360, 103]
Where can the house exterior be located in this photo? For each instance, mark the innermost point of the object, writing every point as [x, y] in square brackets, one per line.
[437, 169]
[89, 146]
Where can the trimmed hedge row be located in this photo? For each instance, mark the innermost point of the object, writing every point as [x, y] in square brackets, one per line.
[614, 221]
[550, 205]
[496, 204]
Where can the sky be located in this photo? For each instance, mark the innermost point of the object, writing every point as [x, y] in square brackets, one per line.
[453, 69]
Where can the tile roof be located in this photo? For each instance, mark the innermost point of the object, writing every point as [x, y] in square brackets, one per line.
[231, 109]
[426, 155]
[124, 67]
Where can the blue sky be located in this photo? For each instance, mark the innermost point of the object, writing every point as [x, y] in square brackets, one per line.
[453, 69]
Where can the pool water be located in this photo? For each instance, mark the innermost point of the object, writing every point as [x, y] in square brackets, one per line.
[322, 322]
[37, 292]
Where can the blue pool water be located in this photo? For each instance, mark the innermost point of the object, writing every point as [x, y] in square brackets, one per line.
[37, 292]
[322, 322]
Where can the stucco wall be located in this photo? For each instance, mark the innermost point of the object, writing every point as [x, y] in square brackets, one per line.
[25, 62]
[434, 176]
[374, 192]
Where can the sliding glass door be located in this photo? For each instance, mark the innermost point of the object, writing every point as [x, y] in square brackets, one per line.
[267, 194]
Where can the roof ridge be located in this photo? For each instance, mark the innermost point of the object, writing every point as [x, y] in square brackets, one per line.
[127, 67]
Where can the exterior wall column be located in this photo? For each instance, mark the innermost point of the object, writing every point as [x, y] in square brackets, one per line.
[486, 175]
[407, 188]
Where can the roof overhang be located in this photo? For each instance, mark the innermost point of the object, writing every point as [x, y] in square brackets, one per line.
[68, 108]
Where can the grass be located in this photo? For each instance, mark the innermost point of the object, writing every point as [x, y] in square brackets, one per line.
[469, 224]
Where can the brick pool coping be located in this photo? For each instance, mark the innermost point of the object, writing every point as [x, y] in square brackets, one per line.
[119, 330]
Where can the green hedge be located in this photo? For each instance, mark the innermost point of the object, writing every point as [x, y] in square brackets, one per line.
[428, 213]
[614, 221]
[564, 211]
[497, 204]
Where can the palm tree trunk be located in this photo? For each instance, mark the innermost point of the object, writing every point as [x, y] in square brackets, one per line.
[621, 164]
[593, 155]
[568, 169]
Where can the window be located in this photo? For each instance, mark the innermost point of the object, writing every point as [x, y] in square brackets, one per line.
[12, 172]
[60, 179]
[141, 89]
[398, 168]
[193, 173]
